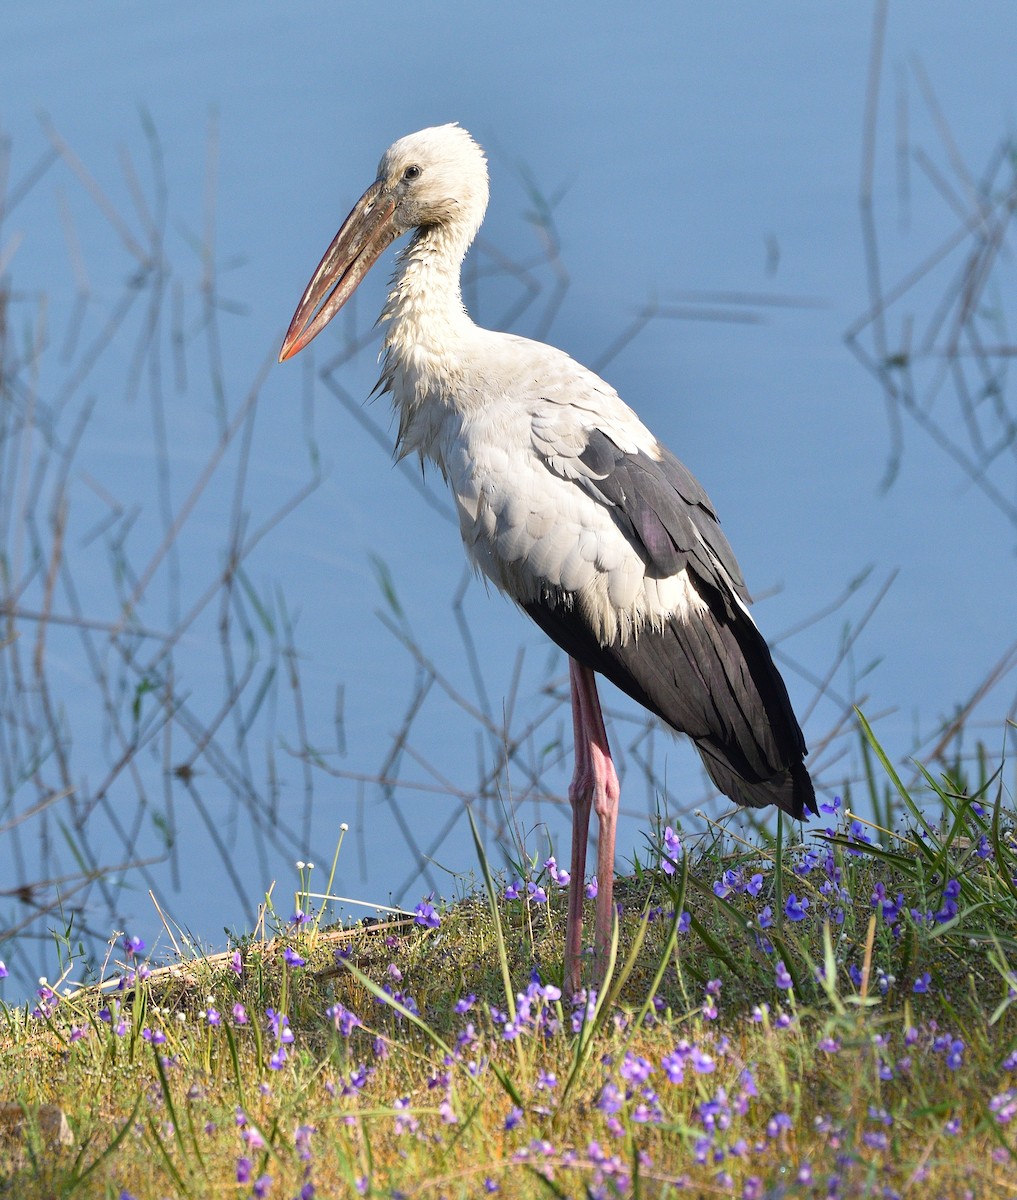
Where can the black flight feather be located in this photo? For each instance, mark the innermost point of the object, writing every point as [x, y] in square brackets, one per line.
[709, 675]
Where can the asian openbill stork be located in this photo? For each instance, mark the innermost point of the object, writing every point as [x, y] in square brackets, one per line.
[568, 504]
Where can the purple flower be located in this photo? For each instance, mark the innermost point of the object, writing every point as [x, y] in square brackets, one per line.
[133, 946]
[292, 958]
[244, 1169]
[857, 834]
[784, 979]
[279, 1025]
[672, 849]
[465, 1003]
[673, 1066]
[261, 1186]
[236, 963]
[536, 893]
[635, 1069]
[559, 876]
[514, 1117]
[591, 889]
[777, 1124]
[702, 1063]
[610, 1100]
[921, 984]
[766, 918]
[794, 909]
[3, 969]
[344, 1020]
[514, 889]
[426, 915]
[755, 884]
[302, 1141]
[1004, 1106]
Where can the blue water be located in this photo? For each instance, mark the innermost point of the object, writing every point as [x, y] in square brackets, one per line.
[691, 149]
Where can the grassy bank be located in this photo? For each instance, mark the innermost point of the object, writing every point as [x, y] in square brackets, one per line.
[832, 1018]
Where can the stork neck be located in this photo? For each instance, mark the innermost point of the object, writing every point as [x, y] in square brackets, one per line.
[425, 306]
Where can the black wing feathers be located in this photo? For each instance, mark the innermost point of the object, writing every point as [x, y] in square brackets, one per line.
[711, 675]
[660, 505]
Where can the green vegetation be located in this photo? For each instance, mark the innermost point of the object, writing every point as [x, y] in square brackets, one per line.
[827, 1018]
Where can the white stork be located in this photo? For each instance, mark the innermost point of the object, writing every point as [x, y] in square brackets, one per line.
[568, 504]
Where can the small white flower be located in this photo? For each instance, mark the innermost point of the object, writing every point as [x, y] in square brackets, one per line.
[343, 828]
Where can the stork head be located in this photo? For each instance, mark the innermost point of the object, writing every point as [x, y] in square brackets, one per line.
[434, 178]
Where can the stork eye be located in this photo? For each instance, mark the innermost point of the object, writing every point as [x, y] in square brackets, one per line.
[411, 173]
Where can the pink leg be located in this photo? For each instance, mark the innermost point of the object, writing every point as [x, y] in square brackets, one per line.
[594, 785]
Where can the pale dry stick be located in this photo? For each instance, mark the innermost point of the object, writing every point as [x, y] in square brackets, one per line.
[92, 187]
[230, 601]
[847, 644]
[907, 403]
[198, 488]
[469, 646]
[165, 924]
[975, 199]
[979, 266]
[391, 760]
[52, 722]
[453, 693]
[942, 185]
[100, 343]
[1005, 664]
[212, 591]
[61, 901]
[76, 621]
[212, 829]
[903, 153]
[868, 168]
[894, 393]
[82, 287]
[155, 221]
[501, 266]
[26, 814]
[883, 300]
[863, 988]
[556, 298]
[290, 657]
[10, 199]
[7, 253]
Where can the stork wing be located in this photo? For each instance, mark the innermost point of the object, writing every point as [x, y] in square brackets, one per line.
[707, 673]
[660, 504]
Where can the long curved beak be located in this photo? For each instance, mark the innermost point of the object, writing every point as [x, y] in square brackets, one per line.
[365, 233]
